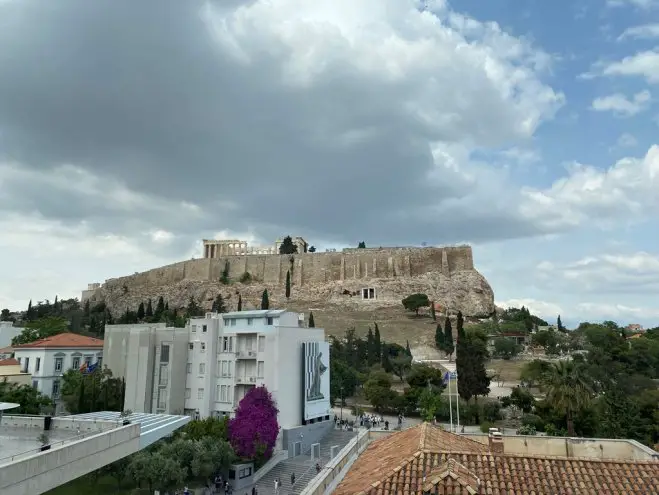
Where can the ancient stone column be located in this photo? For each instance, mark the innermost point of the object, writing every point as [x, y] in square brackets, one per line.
[205, 250]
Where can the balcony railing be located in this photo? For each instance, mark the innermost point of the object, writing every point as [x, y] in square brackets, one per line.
[246, 354]
[246, 379]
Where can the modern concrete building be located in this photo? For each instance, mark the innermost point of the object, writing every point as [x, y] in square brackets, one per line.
[48, 359]
[206, 368]
[8, 332]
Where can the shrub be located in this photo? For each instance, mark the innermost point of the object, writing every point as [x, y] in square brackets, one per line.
[245, 278]
[485, 426]
[254, 429]
[534, 421]
[526, 430]
[492, 410]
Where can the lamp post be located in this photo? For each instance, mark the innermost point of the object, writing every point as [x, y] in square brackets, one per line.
[341, 404]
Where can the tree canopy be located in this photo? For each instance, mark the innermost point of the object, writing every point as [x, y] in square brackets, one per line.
[415, 302]
[253, 430]
[287, 246]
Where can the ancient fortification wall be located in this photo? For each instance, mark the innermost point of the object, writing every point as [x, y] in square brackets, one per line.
[311, 268]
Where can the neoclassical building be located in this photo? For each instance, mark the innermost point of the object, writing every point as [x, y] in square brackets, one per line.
[214, 248]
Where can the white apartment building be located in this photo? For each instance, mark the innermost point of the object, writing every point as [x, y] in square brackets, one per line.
[48, 359]
[224, 356]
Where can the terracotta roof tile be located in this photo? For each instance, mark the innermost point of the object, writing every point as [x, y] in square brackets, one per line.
[63, 340]
[7, 350]
[9, 362]
[387, 468]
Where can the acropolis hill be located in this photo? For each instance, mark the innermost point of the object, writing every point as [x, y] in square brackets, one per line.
[360, 280]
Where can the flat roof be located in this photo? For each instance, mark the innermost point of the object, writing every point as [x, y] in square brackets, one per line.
[18, 442]
[153, 427]
[255, 313]
[4, 406]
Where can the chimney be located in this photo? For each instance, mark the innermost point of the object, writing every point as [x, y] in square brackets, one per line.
[495, 440]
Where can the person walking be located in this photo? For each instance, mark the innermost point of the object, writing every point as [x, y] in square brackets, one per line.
[276, 486]
[292, 479]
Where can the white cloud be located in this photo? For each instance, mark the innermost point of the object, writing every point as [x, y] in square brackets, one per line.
[521, 155]
[644, 31]
[617, 312]
[545, 310]
[624, 193]
[626, 140]
[641, 4]
[620, 105]
[643, 64]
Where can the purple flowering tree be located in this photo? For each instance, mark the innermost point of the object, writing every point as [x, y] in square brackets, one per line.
[254, 429]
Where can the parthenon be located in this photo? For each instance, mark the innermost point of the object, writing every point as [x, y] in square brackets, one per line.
[214, 248]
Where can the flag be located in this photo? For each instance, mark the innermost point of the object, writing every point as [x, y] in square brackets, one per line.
[83, 368]
[90, 368]
[447, 377]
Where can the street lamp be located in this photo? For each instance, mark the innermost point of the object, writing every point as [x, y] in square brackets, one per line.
[341, 388]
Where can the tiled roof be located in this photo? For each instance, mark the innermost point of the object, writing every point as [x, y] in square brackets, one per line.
[63, 340]
[9, 362]
[7, 350]
[435, 470]
[386, 457]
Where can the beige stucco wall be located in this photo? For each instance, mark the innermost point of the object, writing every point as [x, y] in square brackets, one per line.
[12, 374]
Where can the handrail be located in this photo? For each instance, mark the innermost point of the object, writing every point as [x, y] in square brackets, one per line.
[58, 443]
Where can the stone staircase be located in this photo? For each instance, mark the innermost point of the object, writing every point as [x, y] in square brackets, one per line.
[303, 466]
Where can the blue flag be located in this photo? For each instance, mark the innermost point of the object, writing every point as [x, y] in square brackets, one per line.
[447, 376]
[90, 368]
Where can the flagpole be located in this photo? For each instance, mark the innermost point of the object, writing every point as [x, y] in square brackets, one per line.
[450, 401]
[457, 405]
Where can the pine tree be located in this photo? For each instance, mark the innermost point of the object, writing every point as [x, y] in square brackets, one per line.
[312, 323]
[219, 305]
[407, 348]
[240, 303]
[288, 284]
[56, 306]
[559, 324]
[193, 309]
[265, 301]
[149, 309]
[460, 325]
[140, 311]
[386, 363]
[287, 246]
[432, 311]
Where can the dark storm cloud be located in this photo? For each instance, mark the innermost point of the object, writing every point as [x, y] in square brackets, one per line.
[141, 92]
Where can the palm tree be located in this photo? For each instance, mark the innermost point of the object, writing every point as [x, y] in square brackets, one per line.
[568, 389]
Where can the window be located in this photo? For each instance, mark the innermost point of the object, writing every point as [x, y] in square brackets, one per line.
[88, 360]
[223, 393]
[229, 396]
[368, 293]
[194, 328]
[58, 365]
[204, 328]
[249, 344]
[219, 368]
[200, 393]
[164, 376]
[225, 368]
[269, 320]
[191, 346]
[233, 322]
[56, 387]
[188, 392]
[188, 368]
[225, 344]
[245, 473]
[260, 369]
[249, 321]
[35, 384]
[202, 368]
[261, 343]
[164, 353]
[76, 363]
[203, 347]
[26, 368]
[38, 365]
[230, 344]
[162, 398]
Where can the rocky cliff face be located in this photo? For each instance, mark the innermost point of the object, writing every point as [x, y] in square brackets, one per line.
[465, 290]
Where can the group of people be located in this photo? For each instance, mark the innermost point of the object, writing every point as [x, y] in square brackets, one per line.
[278, 483]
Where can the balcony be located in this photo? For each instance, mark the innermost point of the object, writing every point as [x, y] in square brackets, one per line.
[246, 355]
[247, 380]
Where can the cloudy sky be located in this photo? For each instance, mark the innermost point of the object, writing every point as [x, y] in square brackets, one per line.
[131, 130]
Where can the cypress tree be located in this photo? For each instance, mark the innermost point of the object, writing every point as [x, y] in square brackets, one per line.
[81, 397]
[87, 309]
[29, 314]
[378, 342]
[439, 337]
[140, 311]
[265, 300]
[448, 338]
[312, 323]
[149, 309]
[160, 307]
[240, 302]
[407, 348]
[288, 284]
[371, 356]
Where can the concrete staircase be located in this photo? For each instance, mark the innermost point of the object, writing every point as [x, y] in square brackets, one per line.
[303, 466]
